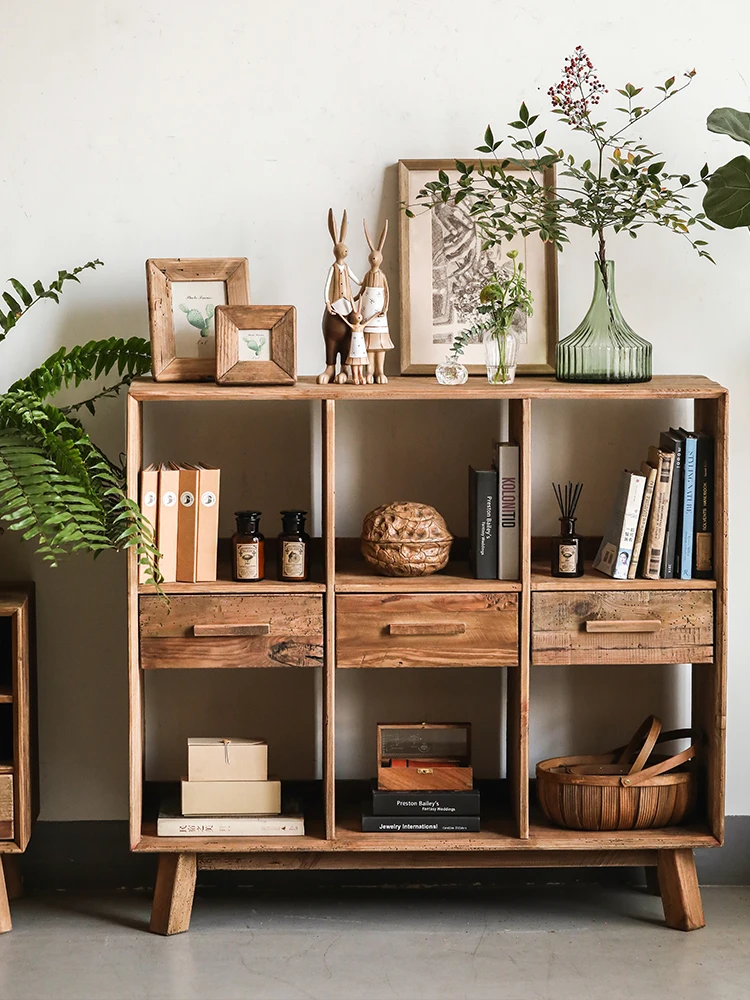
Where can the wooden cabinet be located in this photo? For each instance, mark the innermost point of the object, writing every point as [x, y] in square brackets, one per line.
[6, 806]
[427, 630]
[609, 626]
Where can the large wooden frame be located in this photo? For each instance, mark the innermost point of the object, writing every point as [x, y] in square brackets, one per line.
[160, 274]
[281, 324]
[519, 836]
[408, 365]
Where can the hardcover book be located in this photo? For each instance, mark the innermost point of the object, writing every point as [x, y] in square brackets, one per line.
[671, 441]
[648, 494]
[187, 524]
[687, 523]
[657, 523]
[149, 506]
[483, 523]
[409, 803]
[616, 549]
[169, 487]
[417, 824]
[171, 823]
[509, 510]
[703, 535]
[208, 523]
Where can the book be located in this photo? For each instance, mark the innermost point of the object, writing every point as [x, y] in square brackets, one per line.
[208, 523]
[616, 549]
[483, 523]
[640, 532]
[657, 522]
[687, 523]
[417, 824]
[187, 524]
[169, 486]
[671, 441]
[408, 803]
[231, 798]
[171, 823]
[703, 533]
[149, 507]
[506, 460]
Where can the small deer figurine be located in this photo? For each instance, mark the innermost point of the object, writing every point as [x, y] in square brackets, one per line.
[339, 305]
[374, 297]
[357, 357]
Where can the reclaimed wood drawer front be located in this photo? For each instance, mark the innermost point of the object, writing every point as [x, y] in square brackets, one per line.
[427, 630]
[6, 806]
[635, 626]
[284, 630]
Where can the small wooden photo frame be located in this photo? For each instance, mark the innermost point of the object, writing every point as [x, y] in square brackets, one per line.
[256, 345]
[183, 295]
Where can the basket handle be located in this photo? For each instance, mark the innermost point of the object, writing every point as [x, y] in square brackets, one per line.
[629, 780]
[646, 737]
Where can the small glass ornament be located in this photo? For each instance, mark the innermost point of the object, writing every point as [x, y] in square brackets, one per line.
[451, 372]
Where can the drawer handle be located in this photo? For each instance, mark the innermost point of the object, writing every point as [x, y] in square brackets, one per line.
[200, 631]
[643, 625]
[427, 628]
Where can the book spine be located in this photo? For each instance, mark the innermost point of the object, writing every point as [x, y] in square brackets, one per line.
[149, 509]
[616, 549]
[433, 824]
[704, 510]
[509, 492]
[187, 525]
[169, 485]
[483, 523]
[208, 524]
[670, 568]
[640, 534]
[244, 826]
[425, 803]
[658, 521]
[688, 508]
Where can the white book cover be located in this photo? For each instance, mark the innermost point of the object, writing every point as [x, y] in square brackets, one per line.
[172, 824]
[616, 550]
[648, 492]
[509, 510]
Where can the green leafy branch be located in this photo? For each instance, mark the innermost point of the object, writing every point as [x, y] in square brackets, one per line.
[52, 291]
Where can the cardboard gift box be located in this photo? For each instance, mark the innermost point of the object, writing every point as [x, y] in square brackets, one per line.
[231, 798]
[425, 757]
[214, 759]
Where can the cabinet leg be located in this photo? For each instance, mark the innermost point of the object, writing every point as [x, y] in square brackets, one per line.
[652, 880]
[680, 892]
[173, 895]
[13, 879]
[5, 922]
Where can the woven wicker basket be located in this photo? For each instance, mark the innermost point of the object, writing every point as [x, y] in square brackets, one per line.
[616, 790]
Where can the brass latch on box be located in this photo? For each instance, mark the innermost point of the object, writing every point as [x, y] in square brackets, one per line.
[425, 770]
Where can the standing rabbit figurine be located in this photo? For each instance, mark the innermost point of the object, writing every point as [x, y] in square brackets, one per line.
[357, 357]
[373, 304]
[339, 305]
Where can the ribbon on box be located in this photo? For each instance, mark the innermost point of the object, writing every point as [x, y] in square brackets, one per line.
[226, 751]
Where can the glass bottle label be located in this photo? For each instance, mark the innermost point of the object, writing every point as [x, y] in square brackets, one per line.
[568, 556]
[246, 560]
[293, 559]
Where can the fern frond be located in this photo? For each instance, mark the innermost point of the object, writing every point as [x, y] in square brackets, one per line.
[71, 366]
[52, 291]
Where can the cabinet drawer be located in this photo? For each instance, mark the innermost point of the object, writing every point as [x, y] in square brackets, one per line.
[219, 631]
[635, 626]
[6, 806]
[427, 630]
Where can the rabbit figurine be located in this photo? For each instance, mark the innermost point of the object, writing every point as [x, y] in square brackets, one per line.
[339, 305]
[357, 356]
[373, 298]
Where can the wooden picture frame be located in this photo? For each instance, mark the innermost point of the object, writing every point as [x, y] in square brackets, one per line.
[163, 275]
[420, 350]
[267, 356]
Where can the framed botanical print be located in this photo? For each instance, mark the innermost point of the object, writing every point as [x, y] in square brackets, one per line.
[256, 345]
[443, 268]
[183, 296]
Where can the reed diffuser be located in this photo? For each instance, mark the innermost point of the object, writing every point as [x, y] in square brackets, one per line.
[567, 550]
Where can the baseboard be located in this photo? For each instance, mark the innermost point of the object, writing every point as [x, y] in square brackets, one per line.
[94, 855]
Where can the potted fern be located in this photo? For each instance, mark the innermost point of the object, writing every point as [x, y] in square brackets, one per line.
[56, 486]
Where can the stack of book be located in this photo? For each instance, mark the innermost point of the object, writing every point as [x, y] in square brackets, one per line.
[494, 516]
[181, 502]
[421, 812]
[228, 793]
[662, 521]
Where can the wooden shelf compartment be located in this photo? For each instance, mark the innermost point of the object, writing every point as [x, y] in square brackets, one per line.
[592, 579]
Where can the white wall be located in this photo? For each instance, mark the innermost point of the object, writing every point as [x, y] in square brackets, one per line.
[145, 129]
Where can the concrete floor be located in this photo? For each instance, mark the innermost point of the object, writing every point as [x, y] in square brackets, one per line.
[572, 943]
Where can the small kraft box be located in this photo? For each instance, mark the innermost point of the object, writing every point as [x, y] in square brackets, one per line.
[428, 756]
[212, 759]
[231, 798]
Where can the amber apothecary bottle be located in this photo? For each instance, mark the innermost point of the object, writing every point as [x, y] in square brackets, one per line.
[248, 547]
[294, 546]
[567, 550]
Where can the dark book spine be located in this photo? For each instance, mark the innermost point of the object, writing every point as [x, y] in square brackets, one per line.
[418, 824]
[703, 543]
[425, 803]
[669, 567]
[483, 523]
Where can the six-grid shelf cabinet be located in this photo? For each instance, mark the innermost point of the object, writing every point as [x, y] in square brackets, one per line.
[340, 620]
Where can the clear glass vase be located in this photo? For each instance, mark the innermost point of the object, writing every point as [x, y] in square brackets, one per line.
[604, 348]
[501, 355]
[451, 372]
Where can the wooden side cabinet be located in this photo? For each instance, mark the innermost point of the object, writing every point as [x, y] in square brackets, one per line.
[346, 617]
[18, 762]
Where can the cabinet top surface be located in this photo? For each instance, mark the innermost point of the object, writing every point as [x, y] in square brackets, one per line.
[405, 387]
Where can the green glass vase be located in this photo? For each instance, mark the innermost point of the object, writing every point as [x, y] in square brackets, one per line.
[604, 348]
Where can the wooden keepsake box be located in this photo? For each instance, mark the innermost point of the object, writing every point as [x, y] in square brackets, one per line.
[429, 756]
